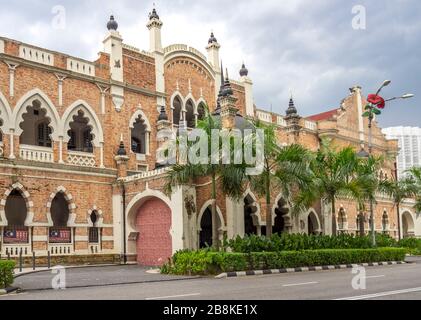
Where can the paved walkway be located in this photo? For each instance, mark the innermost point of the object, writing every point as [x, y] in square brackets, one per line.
[93, 277]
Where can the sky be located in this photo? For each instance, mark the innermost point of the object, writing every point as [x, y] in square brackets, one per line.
[309, 48]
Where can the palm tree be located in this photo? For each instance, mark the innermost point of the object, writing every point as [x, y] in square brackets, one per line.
[399, 190]
[284, 169]
[416, 175]
[333, 176]
[228, 178]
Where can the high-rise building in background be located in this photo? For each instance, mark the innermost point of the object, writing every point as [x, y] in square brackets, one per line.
[410, 146]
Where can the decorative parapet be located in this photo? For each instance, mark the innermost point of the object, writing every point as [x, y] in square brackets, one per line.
[80, 66]
[35, 153]
[310, 125]
[264, 116]
[81, 159]
[145, 175]
[137, 50]
[184, 47]
[281, 121]
[36, 55]
[1, 46]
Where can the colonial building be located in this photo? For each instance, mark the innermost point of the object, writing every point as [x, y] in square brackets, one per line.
[79, 143]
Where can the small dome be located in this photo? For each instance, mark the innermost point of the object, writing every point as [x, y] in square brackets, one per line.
[292, 110]
[153, 15]
[112, 24]
[163, 115]
[212, 39]
[121, 149]
[244, 71]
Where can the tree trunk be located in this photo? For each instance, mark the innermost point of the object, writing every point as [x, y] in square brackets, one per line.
[362, 229]
[269, 226]
[399, 221]
[334, 227]
[215, 235]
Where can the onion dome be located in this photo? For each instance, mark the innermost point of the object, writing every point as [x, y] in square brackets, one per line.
[244, 71]
[112, 24]
[163, 115]
[212, 39]
[153, 15]
[292, 110]
[121, 149]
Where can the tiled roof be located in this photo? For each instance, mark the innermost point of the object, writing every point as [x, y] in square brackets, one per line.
[323, 116]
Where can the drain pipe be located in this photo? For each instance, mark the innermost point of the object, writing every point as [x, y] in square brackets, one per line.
[124, 224]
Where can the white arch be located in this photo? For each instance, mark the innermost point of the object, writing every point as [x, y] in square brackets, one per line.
[287, 217]
[89, 113]
[183, 54]
[143, 116]
[139, 200]
[207, 205]
[46, 104]
[198, 102]
[191, 98]
[71, 205]
[312, 214]
[408, 217]
[5, 113]
[29, 204]
[258, 214]
[180, 96]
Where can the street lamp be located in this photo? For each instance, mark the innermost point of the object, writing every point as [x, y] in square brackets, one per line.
[372, 109]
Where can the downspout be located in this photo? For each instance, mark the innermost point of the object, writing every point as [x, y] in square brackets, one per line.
[124, 224]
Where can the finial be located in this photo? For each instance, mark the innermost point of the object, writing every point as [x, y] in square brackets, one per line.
[244, 71]
[121, 149]
[212, 38]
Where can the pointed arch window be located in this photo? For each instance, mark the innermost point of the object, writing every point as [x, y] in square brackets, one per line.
[139, 136]
[60, 232]
[190, 116]
[80, 133]
[94, 231]
[36, 129]
[177, 109]
[201, 112]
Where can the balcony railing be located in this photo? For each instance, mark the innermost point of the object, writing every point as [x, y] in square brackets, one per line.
[81, 159]
[35, 153]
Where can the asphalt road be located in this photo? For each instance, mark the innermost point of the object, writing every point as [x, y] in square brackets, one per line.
[400, 282]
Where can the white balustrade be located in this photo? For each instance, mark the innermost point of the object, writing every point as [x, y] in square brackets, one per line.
[35, 153]
[80, 66]
[13, 250]
[60, 249]
[146, 174]
[36, 55]
[81, 159]
[264, 116]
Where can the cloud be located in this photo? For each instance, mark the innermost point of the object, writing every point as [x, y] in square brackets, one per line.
[308, 47]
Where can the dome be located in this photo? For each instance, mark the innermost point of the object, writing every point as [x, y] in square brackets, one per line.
[112, 24]
[292, 110]
[153, 15]
[244, 71]
[212, 39]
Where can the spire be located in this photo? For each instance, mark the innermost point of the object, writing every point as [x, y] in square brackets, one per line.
[112, 24]
[244, 71]
[292, 110]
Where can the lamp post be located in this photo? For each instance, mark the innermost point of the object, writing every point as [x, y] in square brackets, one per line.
[372, 109]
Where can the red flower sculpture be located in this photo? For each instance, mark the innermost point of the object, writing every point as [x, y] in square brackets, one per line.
[376, 100]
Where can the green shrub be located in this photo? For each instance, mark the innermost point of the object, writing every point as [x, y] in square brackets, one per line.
[204, 262]
[6, 273]
[294, 242]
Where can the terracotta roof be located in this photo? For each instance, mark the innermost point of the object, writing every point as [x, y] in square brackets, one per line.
[323, 116]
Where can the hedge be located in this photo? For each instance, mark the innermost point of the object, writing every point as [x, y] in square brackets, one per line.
[296, 242]
[6, 273]
[207, 262]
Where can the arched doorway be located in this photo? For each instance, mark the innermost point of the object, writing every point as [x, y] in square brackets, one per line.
[407, 225]
[60, 233]
[313, 225]
[205, 235]
[250, 209]
[153, 222]
[16, 212]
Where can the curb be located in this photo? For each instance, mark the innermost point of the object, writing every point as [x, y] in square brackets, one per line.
[69, 267]
[8, 290]
[303, 269]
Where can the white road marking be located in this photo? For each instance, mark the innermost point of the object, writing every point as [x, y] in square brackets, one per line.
[299, 284]
[177, 296]
[373, 277]
[382, 294]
